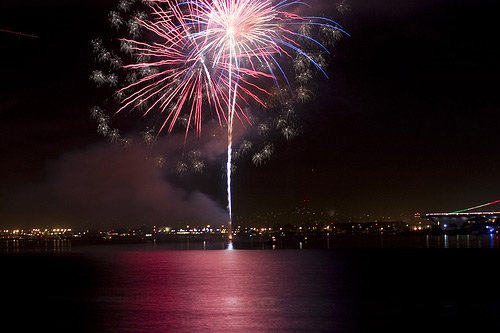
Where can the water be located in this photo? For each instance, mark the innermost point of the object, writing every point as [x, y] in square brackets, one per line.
[323, 241]
[143, 288]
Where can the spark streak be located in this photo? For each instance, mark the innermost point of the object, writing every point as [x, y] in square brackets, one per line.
[475, 207]
[18, 33]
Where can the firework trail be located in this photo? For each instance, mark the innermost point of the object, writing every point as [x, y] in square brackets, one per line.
[213, 55]
[18, 33]
[475, 207]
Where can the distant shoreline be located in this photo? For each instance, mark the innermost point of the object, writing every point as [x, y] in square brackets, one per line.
[321, 241]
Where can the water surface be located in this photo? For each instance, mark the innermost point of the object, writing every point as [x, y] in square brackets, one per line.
[141, 288]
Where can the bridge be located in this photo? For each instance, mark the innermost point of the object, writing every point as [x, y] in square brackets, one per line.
[469, 219]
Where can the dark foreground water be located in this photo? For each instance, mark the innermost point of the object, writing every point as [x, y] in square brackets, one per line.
[140, 288]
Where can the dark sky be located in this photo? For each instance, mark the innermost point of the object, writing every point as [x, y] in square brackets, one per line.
[407, 122]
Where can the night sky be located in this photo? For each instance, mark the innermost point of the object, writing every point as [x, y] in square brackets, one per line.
[407, 122]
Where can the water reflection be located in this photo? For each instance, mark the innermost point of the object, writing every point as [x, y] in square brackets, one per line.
[292, 291]
[146, 288]
[325, 241]
[463, 241]
[15, 246]
[219, 291]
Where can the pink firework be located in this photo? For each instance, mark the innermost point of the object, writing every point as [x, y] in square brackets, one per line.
[214, 52]
[215, 55]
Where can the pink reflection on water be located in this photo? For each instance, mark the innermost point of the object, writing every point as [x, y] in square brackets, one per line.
[216, 291]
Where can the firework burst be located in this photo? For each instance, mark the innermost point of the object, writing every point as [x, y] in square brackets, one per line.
[215, 52]
[193, 57]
